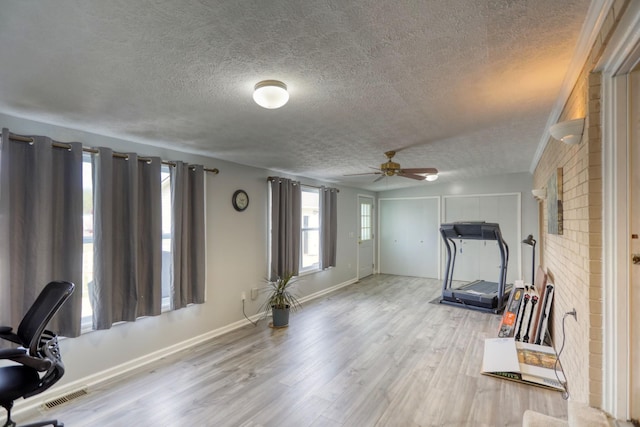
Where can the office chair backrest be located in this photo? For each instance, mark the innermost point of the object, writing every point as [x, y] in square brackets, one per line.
[40, 313]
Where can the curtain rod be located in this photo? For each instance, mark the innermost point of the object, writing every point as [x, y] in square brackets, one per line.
[95, 151]
[273, 178]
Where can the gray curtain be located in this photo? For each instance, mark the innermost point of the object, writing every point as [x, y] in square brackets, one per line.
[187, 203]
[150, 238]
[328, 226]
[286, 196]
[40, 227]
[127, 238]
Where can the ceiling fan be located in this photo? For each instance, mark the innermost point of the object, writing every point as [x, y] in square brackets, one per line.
[391, 168]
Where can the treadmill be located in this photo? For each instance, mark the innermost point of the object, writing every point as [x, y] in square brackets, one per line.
[479, 294]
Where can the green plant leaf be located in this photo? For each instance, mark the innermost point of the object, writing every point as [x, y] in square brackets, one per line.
[279, 294]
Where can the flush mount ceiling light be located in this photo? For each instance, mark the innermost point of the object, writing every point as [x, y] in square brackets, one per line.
[270, 94]
[569, 131]
[432, 177]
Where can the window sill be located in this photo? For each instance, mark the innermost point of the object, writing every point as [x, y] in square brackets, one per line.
[86, 324]
[309, 272]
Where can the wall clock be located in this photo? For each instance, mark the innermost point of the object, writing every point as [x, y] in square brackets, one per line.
[240, 200]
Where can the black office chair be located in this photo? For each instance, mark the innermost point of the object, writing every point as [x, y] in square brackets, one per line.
[40, 365]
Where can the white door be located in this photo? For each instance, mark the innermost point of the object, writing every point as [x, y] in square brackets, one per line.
[634, 222]
[365, 236]
[620, 114]
[621, 241]
[409, 238]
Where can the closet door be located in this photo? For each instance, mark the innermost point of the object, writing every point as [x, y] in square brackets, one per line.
[409, 236]
[478, 259]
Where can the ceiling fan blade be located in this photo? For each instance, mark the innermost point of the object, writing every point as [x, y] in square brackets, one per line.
[365, 173]
[430, 171]
[412, 176]
[391, 168]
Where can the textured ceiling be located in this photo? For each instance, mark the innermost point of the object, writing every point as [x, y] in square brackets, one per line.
[465, 86]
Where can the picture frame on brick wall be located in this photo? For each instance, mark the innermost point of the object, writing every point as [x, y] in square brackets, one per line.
[554, 203]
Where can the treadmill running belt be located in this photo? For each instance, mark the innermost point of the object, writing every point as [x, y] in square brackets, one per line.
[479, 293]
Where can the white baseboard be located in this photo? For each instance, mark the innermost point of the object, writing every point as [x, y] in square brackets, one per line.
[33, 405]
[328, 290]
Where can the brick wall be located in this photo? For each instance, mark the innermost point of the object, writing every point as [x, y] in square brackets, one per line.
[573, 260]
[565, 257]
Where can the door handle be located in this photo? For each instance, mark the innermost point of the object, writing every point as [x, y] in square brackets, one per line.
[635, 258]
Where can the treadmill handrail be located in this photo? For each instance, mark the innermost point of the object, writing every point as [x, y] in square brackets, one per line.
[451, 261]
[472, 230]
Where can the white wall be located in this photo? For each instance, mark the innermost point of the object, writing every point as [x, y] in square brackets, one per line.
[236, 261]
[498, 184]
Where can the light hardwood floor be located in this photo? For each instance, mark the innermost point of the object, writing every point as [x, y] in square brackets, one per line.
[376, 353]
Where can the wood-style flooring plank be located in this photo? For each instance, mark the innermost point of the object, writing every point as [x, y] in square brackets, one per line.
[376, 353]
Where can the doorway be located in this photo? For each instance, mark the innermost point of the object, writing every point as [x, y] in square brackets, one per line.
[634, 246]
[621, 219]
[365, 236]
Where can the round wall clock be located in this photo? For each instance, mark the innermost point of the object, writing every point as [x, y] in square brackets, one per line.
[240, 200]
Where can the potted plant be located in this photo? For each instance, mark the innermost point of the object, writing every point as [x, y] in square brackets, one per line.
[280, 300]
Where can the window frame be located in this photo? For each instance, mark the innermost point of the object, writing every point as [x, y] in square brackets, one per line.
[306, 229]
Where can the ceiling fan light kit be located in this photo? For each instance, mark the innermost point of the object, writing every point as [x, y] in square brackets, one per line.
[270, 94]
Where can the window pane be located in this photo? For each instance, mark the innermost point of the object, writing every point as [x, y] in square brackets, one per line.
[87, 235]
[310, 233]
[365, 221]
[167, 259]
[310, 248]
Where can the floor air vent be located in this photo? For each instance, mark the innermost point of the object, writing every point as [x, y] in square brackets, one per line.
[66, 398]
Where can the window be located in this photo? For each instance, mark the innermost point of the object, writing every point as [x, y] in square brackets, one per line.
[167, 241]
[310, 229]
[366, 225]
[87, 238]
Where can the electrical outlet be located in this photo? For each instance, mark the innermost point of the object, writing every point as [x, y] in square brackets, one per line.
[254, 293]
[243, 296]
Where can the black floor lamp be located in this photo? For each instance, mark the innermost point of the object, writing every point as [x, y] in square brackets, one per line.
[530, 241]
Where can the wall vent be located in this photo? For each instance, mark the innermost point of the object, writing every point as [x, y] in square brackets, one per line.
[64, 399]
